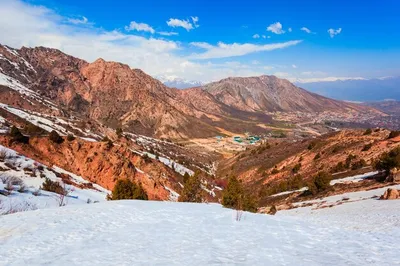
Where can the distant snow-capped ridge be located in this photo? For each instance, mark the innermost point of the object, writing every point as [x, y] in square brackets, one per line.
[338, 79]
[177, 82]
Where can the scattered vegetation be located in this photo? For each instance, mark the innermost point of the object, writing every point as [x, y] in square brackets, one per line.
[235, 197]
[16, 136]
[293, 183]
[55, 137]
[296, 168]
[125, 189]
[347, 164]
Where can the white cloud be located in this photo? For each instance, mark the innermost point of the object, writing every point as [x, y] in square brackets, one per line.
[264, 36]
[222, 50]
[203, 45]
[333, 32]
[167, 33]
[306, 30]
[256, 36]
[78, 21]
[25, 24]
[186, 24]
[140, 27]
[195, 20]
[276, 28]
[294, 66]
[269, 37]
[290, 30]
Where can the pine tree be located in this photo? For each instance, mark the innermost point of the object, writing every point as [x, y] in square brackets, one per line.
[126, 189]
[192, 189]
[235, 197]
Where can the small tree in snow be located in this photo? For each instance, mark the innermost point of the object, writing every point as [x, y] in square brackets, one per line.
[126, 189]
[192, 189]
[235, 197]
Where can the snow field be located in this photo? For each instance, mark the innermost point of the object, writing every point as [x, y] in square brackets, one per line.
[166, 233]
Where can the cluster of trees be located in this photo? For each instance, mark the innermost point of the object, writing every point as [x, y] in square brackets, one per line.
[125, 189]
[235, 197]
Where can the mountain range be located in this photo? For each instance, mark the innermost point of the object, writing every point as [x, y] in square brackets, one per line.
[115, 95]
[361, 90]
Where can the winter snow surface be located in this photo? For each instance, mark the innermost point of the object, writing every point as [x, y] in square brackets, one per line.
[167, 233]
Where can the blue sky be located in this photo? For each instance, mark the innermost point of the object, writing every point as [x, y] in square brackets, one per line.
[209, 40]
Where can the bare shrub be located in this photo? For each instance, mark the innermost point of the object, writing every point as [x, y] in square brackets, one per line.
[9, 187]
[61, 198]
[10, 180]
[3, 154]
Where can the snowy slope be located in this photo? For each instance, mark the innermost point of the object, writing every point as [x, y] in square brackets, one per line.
[166, 233]
[33, 174]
